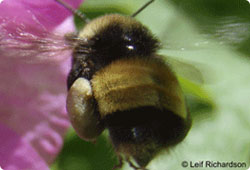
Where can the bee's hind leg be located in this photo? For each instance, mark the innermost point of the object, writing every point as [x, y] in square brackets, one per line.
[119, 165]
[133, 166]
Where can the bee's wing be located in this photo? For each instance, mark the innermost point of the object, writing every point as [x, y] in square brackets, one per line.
[31, 44]
[232, 31]
[185, 69]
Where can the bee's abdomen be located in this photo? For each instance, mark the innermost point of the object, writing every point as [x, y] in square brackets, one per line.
[141, 103]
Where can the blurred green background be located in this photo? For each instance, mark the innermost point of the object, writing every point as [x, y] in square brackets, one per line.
[212, 35]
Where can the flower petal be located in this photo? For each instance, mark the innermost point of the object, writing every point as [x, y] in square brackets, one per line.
[32, 96]
[47, 12]
[16, 154]
[33, 104]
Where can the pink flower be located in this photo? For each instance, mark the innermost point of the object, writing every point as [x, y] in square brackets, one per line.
[33, 116]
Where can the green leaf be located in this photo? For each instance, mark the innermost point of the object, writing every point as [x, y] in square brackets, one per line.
[78, 154]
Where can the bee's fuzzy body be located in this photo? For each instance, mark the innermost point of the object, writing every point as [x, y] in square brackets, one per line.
[133, 92]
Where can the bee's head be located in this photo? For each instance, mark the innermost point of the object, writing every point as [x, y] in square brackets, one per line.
[116, 36]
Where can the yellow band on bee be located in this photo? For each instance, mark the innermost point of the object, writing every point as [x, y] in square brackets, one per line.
[131, 83]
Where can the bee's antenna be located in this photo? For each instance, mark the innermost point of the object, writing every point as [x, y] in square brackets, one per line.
[74, 11]
[142, 8]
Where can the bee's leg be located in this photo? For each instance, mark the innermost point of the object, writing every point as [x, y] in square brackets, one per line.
[119, 165]
[133, 166]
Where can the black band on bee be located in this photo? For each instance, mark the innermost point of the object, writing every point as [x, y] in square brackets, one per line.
[116, 41]
[141, 124]
[144, 131]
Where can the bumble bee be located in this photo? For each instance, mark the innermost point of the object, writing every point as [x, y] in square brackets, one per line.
[119, 82]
